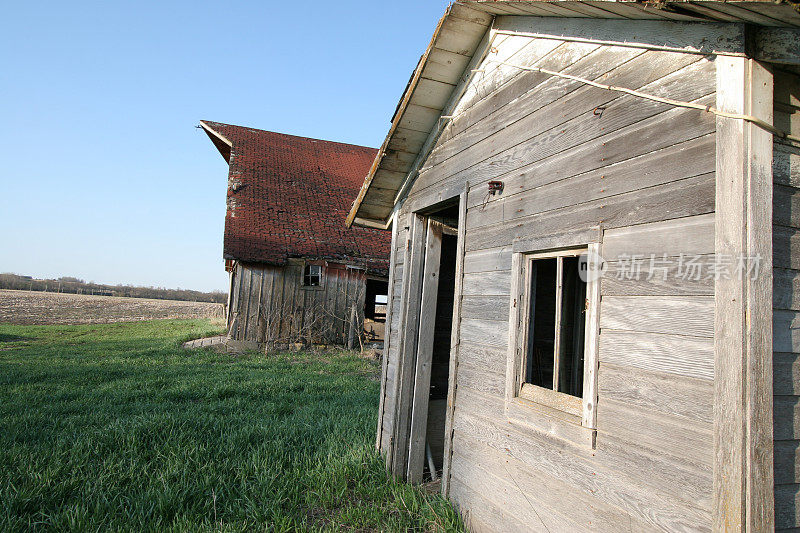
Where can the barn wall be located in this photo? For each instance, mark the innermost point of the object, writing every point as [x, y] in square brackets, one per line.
[786, 303]
[573, 157]
[270, 305]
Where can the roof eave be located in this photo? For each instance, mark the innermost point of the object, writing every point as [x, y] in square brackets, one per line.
[221, 142]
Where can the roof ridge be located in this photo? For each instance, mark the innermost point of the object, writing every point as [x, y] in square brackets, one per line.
[314, 139]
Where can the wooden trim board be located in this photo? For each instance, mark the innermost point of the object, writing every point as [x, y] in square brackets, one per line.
[455, 341]
[743, 441]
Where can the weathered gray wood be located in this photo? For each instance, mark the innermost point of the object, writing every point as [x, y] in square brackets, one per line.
[415, 250]
[692, 316]
[647, 500]
[424, 357]
[487, 283]
[787, 461]
[488, 260]
[554, 240]
[559, 507]
[520, 164]
[543, 133]
[449, 102]
[678, 480]
[663, 392]
[639, 173]
[480, 331]
[688, 197]
[604, 480]
[743, 466]
[674, 354]
[786, 331]
[786, 380]
[786, 164]
[487, 307]
[473, 124]
[787, 411]
[687, 37]
[786, 289]
[786, 247]
[455, 341]
[778, 45]
[490, 358]
[787, 506]
[678, 279]
[689, 236]
[388, 334]
[686, 442]
[786, 206]
[480, 379]
[593, 313]
[481, 515]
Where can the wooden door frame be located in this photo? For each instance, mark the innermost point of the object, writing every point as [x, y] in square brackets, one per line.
[406, 450]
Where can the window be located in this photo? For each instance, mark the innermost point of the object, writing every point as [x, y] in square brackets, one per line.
[312, 276]
[554, 346]
[557, 318]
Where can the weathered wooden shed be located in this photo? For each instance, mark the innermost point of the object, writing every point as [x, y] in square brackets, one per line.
[297, 274]
[594, 282]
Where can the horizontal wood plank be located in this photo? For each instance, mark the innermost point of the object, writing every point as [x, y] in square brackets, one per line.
[689, 236]
[663, 392]
[692, 316]
[674, 354]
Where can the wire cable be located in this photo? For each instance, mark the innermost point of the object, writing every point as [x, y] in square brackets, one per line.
[670, 101]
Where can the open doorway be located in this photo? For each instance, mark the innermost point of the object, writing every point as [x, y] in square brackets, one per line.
[375, 301]
[432, 364]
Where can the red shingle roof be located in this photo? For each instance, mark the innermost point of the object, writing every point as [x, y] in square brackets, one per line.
[288, 196]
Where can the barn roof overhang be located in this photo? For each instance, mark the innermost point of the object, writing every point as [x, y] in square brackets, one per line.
[220, 141]
[464, 36]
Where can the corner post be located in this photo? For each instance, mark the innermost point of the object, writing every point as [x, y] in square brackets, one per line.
[743, 442]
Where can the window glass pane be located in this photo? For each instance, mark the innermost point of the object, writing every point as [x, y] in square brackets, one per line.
[540, 357]
[311, 275]
[573, 323]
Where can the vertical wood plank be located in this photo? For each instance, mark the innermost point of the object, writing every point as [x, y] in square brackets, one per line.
[590, 363]
[387, 333]
[743, 465]
[410, 322]
[455, 341]
[559, 318]
[247, 287]
[422, 372]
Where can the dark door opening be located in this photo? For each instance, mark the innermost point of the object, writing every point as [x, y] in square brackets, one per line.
[432, 365]
[440, 362]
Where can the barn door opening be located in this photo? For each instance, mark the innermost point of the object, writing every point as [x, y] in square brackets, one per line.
[432, 365]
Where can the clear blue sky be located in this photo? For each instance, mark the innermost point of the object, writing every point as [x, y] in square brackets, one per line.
[103, 174]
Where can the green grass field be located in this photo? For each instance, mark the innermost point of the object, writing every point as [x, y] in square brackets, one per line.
[115, 427]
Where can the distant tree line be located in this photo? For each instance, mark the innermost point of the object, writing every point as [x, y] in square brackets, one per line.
[72, 285]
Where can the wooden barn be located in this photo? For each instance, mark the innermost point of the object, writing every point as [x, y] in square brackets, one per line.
[595, 270]
[297, 274]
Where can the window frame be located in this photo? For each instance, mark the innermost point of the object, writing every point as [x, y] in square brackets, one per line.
[307, 265]
[570, 417]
